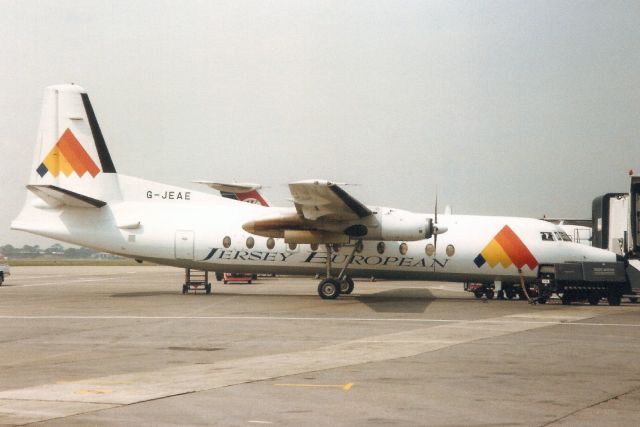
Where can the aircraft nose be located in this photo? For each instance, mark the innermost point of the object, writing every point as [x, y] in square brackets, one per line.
[597, 254]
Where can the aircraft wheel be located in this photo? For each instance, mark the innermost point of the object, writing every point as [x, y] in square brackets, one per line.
[347, 285]
[593, 297]
[489, 293]
[329, 289]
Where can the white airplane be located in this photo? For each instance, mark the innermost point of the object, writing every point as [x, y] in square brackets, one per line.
[243, 191]
[75, 195]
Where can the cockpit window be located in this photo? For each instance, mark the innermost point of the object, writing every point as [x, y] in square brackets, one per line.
[547, 236]
[561, 235]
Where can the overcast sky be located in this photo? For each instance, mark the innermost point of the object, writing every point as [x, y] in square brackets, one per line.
[509, 107]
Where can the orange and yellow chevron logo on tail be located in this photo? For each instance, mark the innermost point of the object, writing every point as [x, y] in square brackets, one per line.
[505, 249]
[67, 156]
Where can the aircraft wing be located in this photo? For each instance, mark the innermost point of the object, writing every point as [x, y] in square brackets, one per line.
[316, 199]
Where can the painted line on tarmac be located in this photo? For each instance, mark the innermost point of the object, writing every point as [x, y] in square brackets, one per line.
[63, 282]
[520, 319]
[345, 387]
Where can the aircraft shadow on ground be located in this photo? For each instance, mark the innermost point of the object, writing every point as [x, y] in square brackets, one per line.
[398, 300]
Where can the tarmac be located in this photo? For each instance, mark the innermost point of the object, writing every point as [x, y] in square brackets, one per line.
[123, 346]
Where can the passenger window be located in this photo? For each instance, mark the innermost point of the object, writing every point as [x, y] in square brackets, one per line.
[403, 248]
[226, 242]
[380, 248]
[271, 243]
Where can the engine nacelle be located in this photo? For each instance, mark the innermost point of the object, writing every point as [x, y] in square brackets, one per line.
[406, 226]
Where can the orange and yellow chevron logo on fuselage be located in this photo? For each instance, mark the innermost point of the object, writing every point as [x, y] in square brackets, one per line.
[67, 156]
[505, 249]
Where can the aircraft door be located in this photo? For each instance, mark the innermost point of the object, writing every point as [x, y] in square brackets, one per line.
[184, 244]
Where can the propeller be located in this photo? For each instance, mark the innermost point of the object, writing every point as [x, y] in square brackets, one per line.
[437, 229]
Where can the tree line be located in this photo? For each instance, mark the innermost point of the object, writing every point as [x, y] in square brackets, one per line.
[54, 251]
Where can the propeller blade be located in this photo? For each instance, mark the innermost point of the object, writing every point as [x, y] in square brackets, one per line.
[435, 231]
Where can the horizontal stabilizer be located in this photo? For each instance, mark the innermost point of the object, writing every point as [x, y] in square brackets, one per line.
[55, 197]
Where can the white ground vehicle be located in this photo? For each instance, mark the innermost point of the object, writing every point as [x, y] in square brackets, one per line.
[4, 269]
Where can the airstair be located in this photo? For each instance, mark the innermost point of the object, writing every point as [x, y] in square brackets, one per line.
[196, 280]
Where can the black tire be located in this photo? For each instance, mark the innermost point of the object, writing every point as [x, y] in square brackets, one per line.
[477, 294]
[567, 298]
[207, 288]
[185, 289]
[489, 293]
[225, 282]
[219, 276]
[249, 282]
[347, 285]
[1, 278]
[509, 293]
[542, 300]
[594, 297]
[329, 289]
[633, 300]
[614, 297]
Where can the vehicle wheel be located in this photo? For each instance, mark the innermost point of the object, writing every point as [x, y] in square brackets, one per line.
[225, 282]
[542, 300]
[614, 298]
[249, 282]
[478, 294]
[593, 298]
[329, 289]
[566, 298]
[207, 288]
[632, 300]
[347, 285]
[489, 293]
[185, 289]
[219, 276]
[509, 293]
[1, 278]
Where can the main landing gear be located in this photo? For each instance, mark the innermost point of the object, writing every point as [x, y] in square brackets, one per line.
[332, 287]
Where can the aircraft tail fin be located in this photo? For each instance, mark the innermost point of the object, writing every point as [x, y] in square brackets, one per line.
[71, 154]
